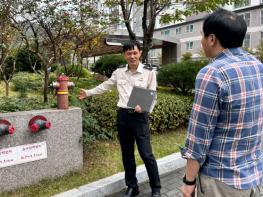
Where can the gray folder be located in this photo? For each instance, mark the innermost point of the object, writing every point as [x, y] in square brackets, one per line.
[143, 97]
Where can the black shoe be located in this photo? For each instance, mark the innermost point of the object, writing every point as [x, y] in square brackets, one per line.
[156, 194]
[131, 191]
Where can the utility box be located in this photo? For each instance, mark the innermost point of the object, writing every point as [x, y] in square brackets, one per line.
[27, 158]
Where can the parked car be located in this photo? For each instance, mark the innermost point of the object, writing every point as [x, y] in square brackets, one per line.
[154, 66]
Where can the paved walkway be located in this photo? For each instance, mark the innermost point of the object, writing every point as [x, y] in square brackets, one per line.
[171, 169]
[171, 184]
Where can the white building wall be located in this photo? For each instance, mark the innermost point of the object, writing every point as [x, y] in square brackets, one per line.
[184, 39]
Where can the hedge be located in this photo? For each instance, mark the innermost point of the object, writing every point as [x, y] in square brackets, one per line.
[108, 63]
[99, 114]
[180, 76]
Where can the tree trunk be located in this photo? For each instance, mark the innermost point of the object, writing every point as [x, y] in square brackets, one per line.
[148, 24]
[45, 90]
[126, 16]
[147, 44]
[46, 64]
[6, 88]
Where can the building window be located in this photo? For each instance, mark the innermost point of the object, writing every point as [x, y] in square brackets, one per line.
[242, 4]
[178, 30]
[189, 28]
[261, 34]
[246, 42]
[165, 32]
[261, 16]
[246, 17]
[189, 45]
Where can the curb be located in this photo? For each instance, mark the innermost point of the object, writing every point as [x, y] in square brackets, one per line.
[116, 183]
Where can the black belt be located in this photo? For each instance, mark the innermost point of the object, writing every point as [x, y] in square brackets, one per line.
[130, 111]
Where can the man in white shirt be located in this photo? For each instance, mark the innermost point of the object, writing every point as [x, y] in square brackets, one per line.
[132, 124]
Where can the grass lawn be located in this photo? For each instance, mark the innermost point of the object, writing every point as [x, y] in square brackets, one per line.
[101, 159]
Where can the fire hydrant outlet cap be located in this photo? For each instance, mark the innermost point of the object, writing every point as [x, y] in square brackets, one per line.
[62, 78]
[48, 124]
[34, 128]
[11, 129]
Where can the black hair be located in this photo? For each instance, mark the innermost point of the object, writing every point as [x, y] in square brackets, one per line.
[228, 27]
[130, 46]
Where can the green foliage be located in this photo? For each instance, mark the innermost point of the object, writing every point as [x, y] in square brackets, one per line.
[13, 104]
[24, 82]
[99, 114]
[8, 68]
[85, 83]
[178, 15]
[186, 56]
[259, 52]
[107, 64]
[52, 77]
[74, 71]
[171, 112]
[26, 60]
[180, 76]
[54, 67]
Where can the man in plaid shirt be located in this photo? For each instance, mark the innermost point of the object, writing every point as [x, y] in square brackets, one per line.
[223, 145]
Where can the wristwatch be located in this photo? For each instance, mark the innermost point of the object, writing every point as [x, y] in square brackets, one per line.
[188, 182]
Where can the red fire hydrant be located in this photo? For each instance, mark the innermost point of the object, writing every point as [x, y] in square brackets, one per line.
[6, 127]
[62, 85]
[38, 123]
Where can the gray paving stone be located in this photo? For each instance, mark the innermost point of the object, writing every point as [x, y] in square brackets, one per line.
[171, 183]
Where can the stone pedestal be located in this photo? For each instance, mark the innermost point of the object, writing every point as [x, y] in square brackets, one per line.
[62, 143]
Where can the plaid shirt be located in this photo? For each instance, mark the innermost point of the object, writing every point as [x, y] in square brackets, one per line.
[225, 126]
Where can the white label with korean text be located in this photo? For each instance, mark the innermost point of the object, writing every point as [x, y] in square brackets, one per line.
[22, 154]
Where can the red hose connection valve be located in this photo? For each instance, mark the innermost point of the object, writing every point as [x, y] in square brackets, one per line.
[38, 123]
[6, 128]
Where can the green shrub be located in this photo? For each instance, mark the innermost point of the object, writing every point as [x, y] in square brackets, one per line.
[54, 67]
[108, 63]
[52, 77]
[24, 82]
[8, 68]
[74, 71]
[13, 104]
[180, 76]
[171, 112]
[26, 60]
[187, 56]
[84, 83]
[99, 114]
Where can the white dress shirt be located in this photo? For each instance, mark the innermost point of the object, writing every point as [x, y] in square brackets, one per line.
[124, 79]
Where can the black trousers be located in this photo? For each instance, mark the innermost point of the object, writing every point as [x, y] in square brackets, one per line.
[134, 127]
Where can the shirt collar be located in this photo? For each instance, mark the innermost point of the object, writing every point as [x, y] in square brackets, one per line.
[229, 52]
[139, 68]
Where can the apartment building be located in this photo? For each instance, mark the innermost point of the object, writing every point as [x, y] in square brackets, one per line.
[184, 36]
[187, 36]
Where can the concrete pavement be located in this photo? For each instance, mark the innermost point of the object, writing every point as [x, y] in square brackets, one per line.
[171, 169]
[171, 183]
[115, 183]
